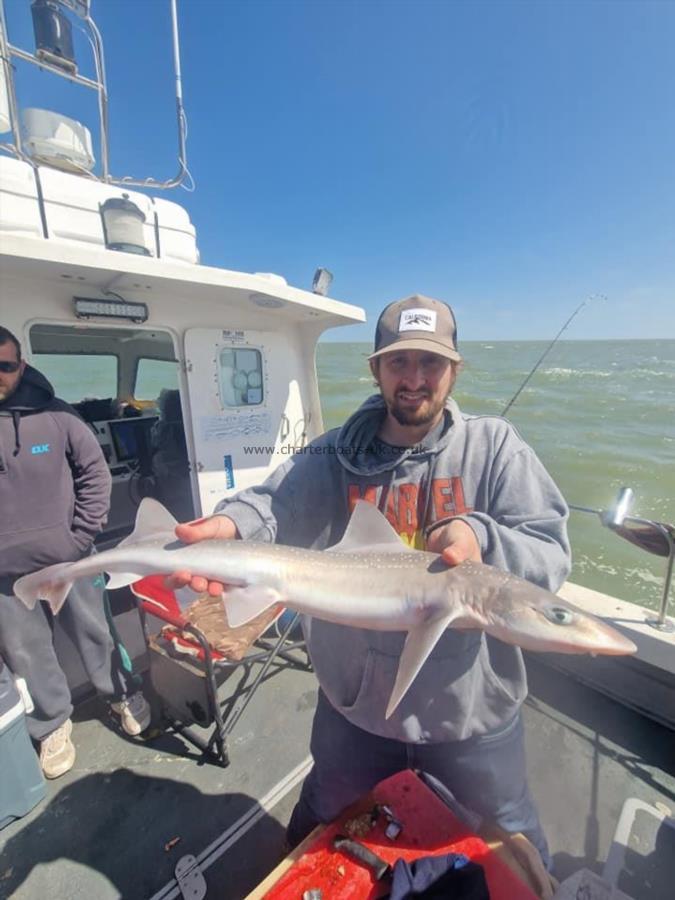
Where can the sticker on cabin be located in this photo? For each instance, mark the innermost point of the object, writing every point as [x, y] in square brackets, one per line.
[215, 428]
[233, 336]
[229, 472]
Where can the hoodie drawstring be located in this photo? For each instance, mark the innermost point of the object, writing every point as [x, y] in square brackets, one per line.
[16, 419]
[384, 493]
[426, 492]
[427, 488]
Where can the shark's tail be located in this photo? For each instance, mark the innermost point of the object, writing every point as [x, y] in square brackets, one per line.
[52, 584]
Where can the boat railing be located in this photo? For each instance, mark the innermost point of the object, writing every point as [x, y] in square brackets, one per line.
[98, 84]
[653, 537]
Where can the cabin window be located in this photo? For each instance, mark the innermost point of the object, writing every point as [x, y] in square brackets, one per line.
[240, 376]
[68, 372]
[153, 376]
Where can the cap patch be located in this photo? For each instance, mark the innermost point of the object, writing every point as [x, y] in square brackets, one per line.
[417, 320]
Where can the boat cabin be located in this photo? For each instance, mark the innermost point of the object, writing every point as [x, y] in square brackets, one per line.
[196, 381]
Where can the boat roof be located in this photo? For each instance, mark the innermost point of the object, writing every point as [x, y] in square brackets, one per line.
[137, 276]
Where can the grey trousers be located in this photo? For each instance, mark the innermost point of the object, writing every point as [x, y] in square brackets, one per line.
[485, 774]
[27, 646]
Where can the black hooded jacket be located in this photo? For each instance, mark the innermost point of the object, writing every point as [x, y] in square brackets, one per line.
[54, 481]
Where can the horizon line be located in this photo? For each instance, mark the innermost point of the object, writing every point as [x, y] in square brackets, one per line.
[519, 340]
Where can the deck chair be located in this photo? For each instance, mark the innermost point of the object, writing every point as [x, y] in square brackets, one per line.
[195, 652]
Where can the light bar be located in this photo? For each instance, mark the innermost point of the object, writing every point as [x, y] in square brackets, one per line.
[110, 309]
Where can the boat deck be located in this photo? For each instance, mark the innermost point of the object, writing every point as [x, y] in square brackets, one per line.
[107, 829]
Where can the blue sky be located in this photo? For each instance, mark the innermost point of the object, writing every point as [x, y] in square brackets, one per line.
[512, 158]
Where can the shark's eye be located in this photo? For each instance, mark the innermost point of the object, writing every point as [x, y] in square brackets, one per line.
[559, 615]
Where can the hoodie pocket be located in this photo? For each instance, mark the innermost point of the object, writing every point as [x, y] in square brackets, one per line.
[365, 683]
[28, 551]
[453, 697]
[438, 675]
[504, 670]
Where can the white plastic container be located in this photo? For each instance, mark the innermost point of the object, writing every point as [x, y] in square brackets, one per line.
[22, 785]
[57, 140]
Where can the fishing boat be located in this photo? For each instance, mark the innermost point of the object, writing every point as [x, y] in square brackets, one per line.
[211, 383]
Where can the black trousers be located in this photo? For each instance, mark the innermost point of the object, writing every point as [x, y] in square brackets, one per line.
[486, 774]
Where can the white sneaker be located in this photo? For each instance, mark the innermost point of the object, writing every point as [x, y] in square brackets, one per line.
[57, 751]
[134, 713]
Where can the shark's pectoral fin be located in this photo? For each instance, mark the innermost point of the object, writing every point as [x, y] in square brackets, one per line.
[122, 579]
[245, 603]
[418, 645]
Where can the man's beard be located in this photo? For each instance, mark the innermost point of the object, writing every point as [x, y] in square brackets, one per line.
[424, 415]
[6, 392]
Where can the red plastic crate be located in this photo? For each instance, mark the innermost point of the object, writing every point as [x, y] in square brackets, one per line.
[429, 829]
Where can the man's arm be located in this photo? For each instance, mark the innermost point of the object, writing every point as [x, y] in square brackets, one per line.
[208, 529]
[259, 513]
[264, 512]
[524, 530]
[92, 482]
[457, 542]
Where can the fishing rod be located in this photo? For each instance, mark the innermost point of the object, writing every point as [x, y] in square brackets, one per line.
[546, 352]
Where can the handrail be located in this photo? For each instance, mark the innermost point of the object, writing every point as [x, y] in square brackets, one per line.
[8, 51]
[617, 521]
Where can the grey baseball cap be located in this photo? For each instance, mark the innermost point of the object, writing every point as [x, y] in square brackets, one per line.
[417, 323]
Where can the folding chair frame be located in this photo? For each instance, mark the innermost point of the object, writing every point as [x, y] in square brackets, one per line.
[216, 745]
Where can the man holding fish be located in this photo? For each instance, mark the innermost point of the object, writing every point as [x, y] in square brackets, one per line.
[466, 487]
[416, 650]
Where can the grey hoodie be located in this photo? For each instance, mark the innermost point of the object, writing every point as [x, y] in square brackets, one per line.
[476, 468]
[54, 482]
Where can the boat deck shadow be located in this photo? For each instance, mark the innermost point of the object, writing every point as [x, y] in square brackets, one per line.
[587, 754]
[103, 829]
[97, 821]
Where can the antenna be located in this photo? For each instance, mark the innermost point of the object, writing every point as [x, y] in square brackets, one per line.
[548, 350]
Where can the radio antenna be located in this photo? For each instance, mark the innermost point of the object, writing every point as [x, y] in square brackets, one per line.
[546, 352]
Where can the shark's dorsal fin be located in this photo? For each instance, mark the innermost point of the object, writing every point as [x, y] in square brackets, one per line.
[151, 519]
[368, 529]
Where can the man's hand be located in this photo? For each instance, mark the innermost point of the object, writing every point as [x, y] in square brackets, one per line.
[221, 527]
[456, 542]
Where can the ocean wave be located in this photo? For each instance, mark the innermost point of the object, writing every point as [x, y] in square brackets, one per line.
[558, 371]
[584, 563]
[563, 372]
[644, 575]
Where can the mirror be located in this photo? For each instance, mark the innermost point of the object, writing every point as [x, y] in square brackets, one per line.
[649, 536]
